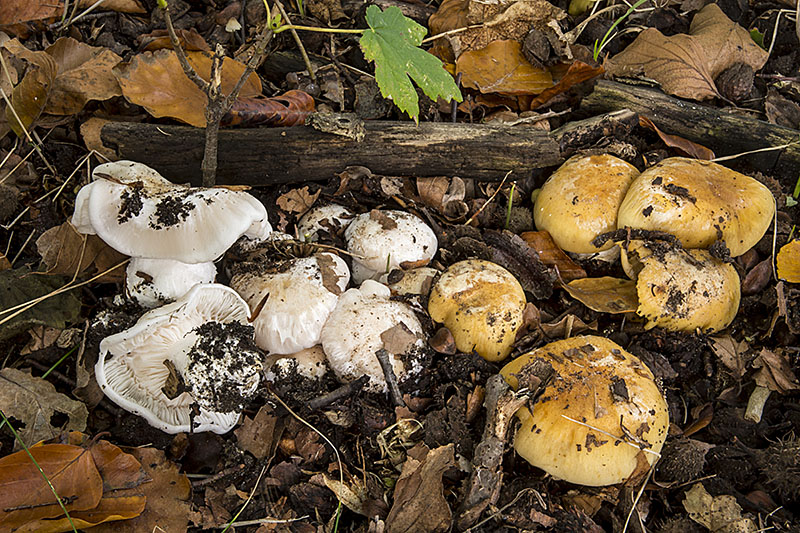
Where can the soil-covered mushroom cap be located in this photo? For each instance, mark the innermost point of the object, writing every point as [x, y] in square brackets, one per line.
[309, 363]
[599, 419]
[291, 301]
[195, 353]
[699, 202]
[381, 241]
[139, 213]
[481, 303]
[682, 290]
[154, 282]
[331, 218]
[580, 201]
[364, 321]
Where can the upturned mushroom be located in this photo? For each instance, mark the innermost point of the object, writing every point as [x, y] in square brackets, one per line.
[292, 300]
[700, 203]
[187, 366]
[579, 202]
[365, 321]
[600, 418]
[681, 290]
[482, 304]
[381, 241]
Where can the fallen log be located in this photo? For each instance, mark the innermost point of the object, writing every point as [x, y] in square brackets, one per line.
[724, 132]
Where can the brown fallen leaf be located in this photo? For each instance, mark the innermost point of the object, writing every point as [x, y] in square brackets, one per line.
[168, 497]
[260, 435]
[34, 401]
[686, 65]
[775, 372]
[578, 72]
[29, 97]
[21, 17]
[683, 146]
[398, 339]
[297, 201]
[502, 68]
[288, 109]
[65, 251]
[84, 74]
[788, 262]
[605, 295]
[155, 81]
[730, 353]
[720, 514]
[419, 503]
[551, 255]
[190, 40]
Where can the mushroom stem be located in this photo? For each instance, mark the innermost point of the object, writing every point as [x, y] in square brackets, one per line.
[755, 405]
[391, 379]
[487, 474]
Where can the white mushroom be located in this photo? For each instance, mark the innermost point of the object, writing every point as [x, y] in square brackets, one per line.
[365, 321]
[332, 218]
[382, 241]
[154, 282]
[195, 353]
[292, 301]
[139, 213]
[309, 363]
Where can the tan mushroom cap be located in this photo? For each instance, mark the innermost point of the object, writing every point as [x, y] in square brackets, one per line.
[597, 420]
[699, 202]
[481, 303]
[580, 201]
[682, 290]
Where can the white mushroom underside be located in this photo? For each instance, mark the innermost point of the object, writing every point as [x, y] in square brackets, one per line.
[131, 369]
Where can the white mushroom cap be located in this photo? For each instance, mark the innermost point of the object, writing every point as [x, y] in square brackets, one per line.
[154, 282]
[292, 304]
[205, 338]
[414, 281]
[141, 214]
[331, 218]
[381, 241]
[310, 363]
[355, 332]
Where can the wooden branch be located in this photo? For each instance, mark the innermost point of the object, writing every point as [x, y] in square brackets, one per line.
[722, 131]
[266, 156]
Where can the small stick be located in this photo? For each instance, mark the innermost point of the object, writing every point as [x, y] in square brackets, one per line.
[348, 389]
[487, 474]
[391, 379]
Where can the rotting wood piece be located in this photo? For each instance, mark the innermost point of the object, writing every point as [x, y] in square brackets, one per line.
[265, 156]
[722, 131]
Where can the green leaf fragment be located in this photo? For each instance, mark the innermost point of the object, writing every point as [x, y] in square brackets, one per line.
[392, 42]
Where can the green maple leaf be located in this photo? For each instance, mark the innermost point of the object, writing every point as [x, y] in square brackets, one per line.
[392, 42]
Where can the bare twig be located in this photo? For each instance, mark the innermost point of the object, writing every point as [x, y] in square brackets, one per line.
[299, 43]
[391, 379]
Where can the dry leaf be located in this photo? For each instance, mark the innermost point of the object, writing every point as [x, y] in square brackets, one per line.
[788, 262]
[297, 201]
[260, 435]
[20, 17]
[578, 72]
[502, 68]
[730, 353]
[683, 146]
[190, 40]
[686, 65]
[419, 503]
[288, 109]
[568, 326]
[156, 82]
[354, 496]
[720, 514]
[84, 74]
[398, 339]
[168, 497]
[551, 255]
[775, 372]
[606, 294]
[34, 401]
[29, 97]
[65, 251]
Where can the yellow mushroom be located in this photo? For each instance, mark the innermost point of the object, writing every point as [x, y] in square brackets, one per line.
[600, 419]
[481, 303]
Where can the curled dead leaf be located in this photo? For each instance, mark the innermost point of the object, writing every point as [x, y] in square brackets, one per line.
[683, 146]
[502, 68]
[605, 295]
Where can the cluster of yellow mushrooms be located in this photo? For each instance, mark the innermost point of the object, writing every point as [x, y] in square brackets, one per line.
[597, 421]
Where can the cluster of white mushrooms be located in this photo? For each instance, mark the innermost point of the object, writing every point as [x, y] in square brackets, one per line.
[597, 422]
